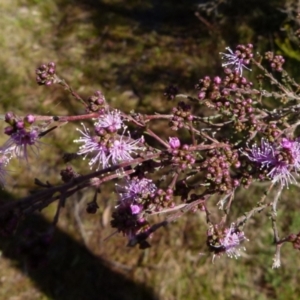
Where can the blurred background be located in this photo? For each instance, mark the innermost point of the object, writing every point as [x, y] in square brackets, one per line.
[132, 50]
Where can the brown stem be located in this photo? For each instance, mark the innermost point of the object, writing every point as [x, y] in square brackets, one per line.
[151, 133]
[73, 93]
[66, 118]
[81, 182]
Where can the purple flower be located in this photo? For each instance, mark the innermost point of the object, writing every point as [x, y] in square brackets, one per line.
[137, 189]
[232, 240]
[293, 148]
[227, 240]
[122, 149]
[20, 140]
[279, 160]
[174, 142]
[237, 60]
[265, 154]
[91, 145]
[128, 216]
[112, 148]
[111, 121]
[286, 143]
[135, 209]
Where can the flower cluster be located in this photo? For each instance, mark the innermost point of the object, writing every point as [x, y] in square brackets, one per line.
[276, 61]
[97, 102]
[225, 240]
[208, 156]
[181, 114]
[217, 169]
[278, 160]
[129, 214]
[46, 74]
[238, 59]
[23, 135]
[215, 93]
[106, 146]
[182, 158]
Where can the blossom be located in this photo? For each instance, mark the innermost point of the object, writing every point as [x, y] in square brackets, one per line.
[231, 242]
[265, 154]
[46, 74]
[238, 59]
[128, 216]
[293, 147]
[111, 121]
[174, 142]
[226, 240]
[135, 209]
[109, 148]
[136, 189]
[20, 140]
[91, 145]
[279, 160]
[122, 149]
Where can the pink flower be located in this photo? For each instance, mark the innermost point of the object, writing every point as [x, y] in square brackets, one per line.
[174, 142]
[20, 140]
[111, 121]
[106, 146]
[91, 146]
[238, 59]
[280, 160]
[122, 149]
[128, 216]
[225, 240]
